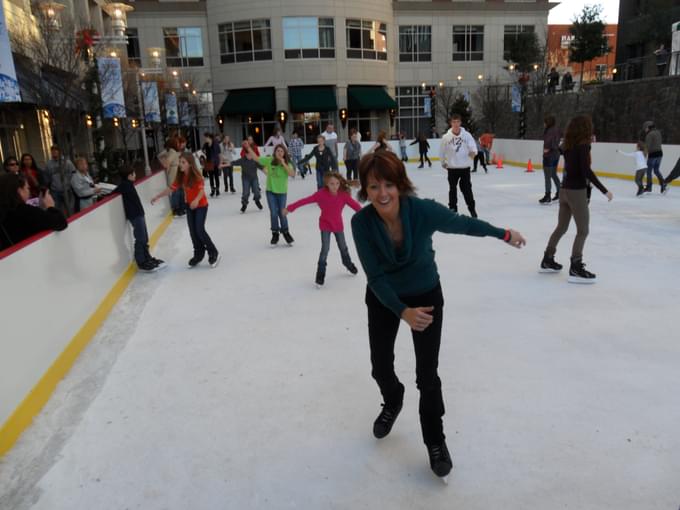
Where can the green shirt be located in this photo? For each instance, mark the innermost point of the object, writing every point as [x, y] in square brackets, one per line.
[409, 270]
[277, 176]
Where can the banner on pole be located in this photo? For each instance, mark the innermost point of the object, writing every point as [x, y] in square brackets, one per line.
[184, 113]
[9, 86]
[152, 108]
[111, 79]
[516, 98]
[171, 113]
[427, 106]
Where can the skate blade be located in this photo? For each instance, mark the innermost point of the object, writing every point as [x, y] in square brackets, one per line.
[216, 263]
[549, 271]
[318, 286]
[445, 479]
[581, 281]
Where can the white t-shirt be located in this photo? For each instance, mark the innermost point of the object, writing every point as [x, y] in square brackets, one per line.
[331, 141]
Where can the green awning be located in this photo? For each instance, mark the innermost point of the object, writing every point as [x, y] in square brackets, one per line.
[369, 98]
[312, 99]
[246, 101]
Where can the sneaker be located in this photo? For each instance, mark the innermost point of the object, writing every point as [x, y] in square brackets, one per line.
[243, 208]
[385, 420]
[258, 203]
[320, 277]
[578, 273]
[275, 239]
[440, 459]
[545, 200]
[193, 261]
[147, 267]
[159, 263]
[213, 260]
[548, 265]
[289, 238]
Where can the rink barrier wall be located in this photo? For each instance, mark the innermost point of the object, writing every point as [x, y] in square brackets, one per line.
[53, 311]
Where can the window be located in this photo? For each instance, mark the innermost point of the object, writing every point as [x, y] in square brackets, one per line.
[412, 118]
[133, 53]
[510, 34]
[183, 47]
[362, 121]
[415, 43]
[366, 39]
[309, 125]
[245, 41]
[468, 42]
[260, 127]
[309, 37]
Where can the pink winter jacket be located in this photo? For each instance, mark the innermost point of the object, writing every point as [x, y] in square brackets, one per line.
[331, 208]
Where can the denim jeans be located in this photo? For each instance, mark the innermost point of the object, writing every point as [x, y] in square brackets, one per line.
[326, 246]
[199, 237]
[383, 326]
[141, 240]
[277, 203]
[228, 172]
[319, 178]
[402, 150]
[653, 165]
[351, 165]
[177, 203]
[250, 184]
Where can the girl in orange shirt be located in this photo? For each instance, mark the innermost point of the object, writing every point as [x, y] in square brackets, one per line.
[191, 181]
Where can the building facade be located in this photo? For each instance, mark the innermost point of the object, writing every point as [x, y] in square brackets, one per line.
[369, 64]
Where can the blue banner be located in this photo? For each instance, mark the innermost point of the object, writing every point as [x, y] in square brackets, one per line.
[184, 113]
[9, 86]
[427, 106]
[111, 79]
[152, 108]
[516, 97]
[171, 113]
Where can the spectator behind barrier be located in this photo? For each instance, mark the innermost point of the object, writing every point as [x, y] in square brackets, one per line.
[33, 174]
[18, 220]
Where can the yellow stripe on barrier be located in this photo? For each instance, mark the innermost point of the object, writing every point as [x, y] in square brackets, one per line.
[599, 173]
[23, 415]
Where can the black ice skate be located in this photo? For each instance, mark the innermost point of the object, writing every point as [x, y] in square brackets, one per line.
[147, 266]
[351, 268]
[194, 261]
[289, 238]
[320, 277]
[258, 204]
[243, 208]
[556, 198]
[385, 420]
[214, 260]
[275, 239]
[440, 459]
[545, 200]
[548, 265]
[578, 273]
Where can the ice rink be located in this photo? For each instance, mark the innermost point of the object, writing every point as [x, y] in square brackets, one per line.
[245, 387]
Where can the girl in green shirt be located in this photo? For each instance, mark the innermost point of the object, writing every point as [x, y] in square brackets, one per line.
[278, 168]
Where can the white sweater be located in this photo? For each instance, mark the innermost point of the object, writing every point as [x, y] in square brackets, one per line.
[640, 160]
[454, 150]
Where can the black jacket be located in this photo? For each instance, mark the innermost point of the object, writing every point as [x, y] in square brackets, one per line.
[131, 202]
[325, 161]
[27, 220]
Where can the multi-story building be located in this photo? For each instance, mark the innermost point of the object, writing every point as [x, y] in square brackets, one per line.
[264, 61]
[598, 69]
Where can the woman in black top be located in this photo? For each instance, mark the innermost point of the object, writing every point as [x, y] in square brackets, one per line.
[574, 199]
[423, 146]
[18, 220]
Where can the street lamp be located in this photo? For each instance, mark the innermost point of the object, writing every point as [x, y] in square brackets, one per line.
[51, 12]
[118, 13]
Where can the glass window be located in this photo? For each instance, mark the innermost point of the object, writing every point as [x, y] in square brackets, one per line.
[415, 43]
[510, 34]
[468, 42]
[183, 46]
[412, 118]
[309, 37]
[309, 125]
[260, 127]
[245, 41]
[366, 39]
[133, 53]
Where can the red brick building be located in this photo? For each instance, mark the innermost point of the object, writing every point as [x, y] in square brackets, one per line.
[558, 55]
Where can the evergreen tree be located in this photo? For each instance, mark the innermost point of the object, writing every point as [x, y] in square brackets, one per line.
[461, 106]
[589, 39]
[524, 52]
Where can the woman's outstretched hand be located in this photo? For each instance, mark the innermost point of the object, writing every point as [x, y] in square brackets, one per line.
[418, 318]
[516, 239]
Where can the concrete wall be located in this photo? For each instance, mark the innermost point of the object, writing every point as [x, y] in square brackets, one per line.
[52, 286]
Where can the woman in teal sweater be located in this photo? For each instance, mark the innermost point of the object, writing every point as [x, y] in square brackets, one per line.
[393, 237]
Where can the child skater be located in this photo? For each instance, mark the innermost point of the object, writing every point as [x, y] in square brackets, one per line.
[640, 155]
[249, 181]
[278, 168]
[134, 212]
[191, 181]
[331, 199]
[325, 160]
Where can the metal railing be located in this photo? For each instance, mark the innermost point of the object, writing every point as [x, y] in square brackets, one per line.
[650, 66]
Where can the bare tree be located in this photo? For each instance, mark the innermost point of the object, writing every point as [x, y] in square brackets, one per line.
[491, 102]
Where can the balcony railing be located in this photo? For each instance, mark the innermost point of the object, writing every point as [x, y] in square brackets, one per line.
[650, 66]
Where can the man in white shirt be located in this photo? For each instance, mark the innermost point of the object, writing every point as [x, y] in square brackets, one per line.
[331, 138]
[457, 149]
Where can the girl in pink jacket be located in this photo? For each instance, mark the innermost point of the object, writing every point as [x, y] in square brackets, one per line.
[331, 199]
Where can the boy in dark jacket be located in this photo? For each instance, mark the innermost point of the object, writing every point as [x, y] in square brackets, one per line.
[134, 212]
[325, 160]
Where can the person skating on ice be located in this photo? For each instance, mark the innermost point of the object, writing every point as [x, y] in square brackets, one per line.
[190, 179]
[331, 199]
[640, 155]
[457, 149]
[654, 155]
[226, 158]
[574, 199]
[352, 155]
[249, 164]
[551, 157]
[393, 237]
[423, 147]
[325, 160]
[278, 168]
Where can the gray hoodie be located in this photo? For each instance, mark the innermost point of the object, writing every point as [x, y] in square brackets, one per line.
[652, 140]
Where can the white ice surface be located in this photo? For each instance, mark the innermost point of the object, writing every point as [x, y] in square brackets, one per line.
[246, 387]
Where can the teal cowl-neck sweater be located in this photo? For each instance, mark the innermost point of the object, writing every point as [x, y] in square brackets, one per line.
[409, 270]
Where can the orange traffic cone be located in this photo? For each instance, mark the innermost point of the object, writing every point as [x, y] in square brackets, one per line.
[530, 167]
[499, 163]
